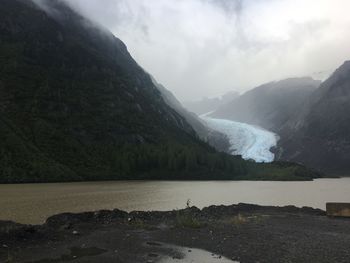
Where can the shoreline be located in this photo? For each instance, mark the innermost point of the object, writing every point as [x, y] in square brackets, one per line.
[239, 179]
[27, 206]
[243, 233]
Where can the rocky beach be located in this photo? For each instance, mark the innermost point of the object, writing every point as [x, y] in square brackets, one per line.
[235, 233]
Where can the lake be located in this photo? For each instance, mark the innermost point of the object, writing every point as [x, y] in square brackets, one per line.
[33, 203]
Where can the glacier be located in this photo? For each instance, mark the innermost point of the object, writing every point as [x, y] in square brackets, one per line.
[252, 142]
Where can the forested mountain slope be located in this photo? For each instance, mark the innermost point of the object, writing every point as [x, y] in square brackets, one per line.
[74, 105]
[216, 139]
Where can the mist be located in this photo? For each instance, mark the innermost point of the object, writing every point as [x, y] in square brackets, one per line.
[205, 48]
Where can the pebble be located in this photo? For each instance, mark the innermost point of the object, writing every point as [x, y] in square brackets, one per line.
[153, 255]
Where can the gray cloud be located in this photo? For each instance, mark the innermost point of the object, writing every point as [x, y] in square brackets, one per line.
[207, 47]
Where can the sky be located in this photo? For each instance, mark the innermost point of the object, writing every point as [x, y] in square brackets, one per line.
[204, 48]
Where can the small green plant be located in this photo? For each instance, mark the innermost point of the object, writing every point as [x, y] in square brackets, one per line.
[239, 220]
[185, 218]
[258, 218]
[138, 223]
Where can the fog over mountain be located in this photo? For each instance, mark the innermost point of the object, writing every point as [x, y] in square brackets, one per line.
[75, 106]
[319, 133]
[206, 105]
[270, 105]
[202, 48]
[213, 137]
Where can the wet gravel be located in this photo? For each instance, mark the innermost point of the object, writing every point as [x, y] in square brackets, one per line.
[243, 233]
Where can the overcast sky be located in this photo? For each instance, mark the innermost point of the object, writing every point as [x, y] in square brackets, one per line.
[200, 48]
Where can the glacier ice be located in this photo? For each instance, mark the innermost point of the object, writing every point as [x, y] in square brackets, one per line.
[252, 142]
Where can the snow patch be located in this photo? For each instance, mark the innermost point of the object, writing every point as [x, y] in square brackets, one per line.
[250, 141]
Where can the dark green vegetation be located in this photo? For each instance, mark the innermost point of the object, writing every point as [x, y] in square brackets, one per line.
[186, 218]
[281, 171]
[74, 105]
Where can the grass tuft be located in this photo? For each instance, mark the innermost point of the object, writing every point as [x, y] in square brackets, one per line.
[185, 218]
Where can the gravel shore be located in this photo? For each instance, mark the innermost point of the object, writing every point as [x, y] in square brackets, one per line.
[241, 233]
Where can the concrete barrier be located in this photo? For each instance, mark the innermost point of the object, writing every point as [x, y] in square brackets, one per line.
[338, 209]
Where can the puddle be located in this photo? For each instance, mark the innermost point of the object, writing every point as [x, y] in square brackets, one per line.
[189, 255]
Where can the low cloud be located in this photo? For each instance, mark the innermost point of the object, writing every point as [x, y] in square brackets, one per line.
[207, 47]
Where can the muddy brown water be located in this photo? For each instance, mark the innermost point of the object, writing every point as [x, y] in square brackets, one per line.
[33, 203]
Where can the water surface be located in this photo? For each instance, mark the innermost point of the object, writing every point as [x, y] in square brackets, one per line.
[193, 255]
[33, 203]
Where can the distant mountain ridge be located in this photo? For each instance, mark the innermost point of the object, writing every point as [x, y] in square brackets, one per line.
[206, 105]
[319, 135]
[311, 118]
[269, 105]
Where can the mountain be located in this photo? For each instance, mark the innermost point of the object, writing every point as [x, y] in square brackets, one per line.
[269, 105]
[319, 134]
[206, 105]
[74, 105]
[213, 137]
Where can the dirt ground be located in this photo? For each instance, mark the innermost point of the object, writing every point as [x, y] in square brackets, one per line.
[242, 233]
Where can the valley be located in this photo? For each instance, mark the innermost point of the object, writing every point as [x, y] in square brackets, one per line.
[251, 142]
[174, 131]
[76, 106]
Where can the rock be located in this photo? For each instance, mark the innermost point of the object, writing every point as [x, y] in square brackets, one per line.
[151, 243]
[75, 233]
[66, 227]
[153, 255]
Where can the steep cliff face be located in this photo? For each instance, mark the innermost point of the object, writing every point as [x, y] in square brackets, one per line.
[74, 105]
[319, 134]
[269, 105]
[215, 138]
[71, 93]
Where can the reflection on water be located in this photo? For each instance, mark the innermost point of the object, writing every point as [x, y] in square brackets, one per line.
[193, 255]
[33, 203]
